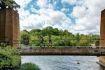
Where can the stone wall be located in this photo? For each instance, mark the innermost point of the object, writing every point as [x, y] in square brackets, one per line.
[102, 36]
[9, 27]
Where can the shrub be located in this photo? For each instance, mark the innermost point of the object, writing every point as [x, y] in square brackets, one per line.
[9, 57]
[29, 66]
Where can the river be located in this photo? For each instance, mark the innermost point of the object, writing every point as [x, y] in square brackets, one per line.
[64, 62]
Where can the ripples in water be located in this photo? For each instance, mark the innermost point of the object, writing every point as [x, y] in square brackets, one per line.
[64, 62]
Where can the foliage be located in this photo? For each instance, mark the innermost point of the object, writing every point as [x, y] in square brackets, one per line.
[25, 37]
[9, 3]
[29, 66]
[9, 56]
[58, 37]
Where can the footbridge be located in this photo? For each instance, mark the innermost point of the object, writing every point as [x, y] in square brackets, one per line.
[78, 51]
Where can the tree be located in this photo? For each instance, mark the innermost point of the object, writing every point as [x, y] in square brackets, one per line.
[25, 37]
[55, 37]
[84, 41]
[77, 38]
[8, 3]
[35, 32]
[56, 31]
[49, 41]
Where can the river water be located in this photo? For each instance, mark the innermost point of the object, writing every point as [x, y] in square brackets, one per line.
[64, 62]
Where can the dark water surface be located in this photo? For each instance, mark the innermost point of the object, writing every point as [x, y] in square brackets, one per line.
[64, 62]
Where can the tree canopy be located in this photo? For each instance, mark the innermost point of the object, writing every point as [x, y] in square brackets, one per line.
[57, 37]
[8, 4]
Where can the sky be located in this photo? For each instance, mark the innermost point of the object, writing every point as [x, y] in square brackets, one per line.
[76, 16]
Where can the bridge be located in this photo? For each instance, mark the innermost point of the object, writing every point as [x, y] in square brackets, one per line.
[79, 51]
[10, 31]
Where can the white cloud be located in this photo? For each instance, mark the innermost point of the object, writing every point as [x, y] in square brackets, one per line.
[42, 3]
[88, 16]
[79, 11]
[87, 13]
[22, 3]
[46, 17]
[72, 2]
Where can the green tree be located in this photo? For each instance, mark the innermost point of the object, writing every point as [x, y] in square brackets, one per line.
[58, 37]
[9, 3]
[84, 41]
[35, 32]
[46, 31]
[25, 37]
[77, 39]
[56, 32]
[34, 37]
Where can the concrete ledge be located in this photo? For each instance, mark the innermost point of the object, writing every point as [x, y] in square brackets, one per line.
[62, 51]
[100, 63]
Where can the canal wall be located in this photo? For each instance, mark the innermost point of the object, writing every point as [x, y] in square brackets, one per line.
[102, 37]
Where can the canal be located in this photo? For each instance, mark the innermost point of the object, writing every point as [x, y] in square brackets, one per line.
[64, 62]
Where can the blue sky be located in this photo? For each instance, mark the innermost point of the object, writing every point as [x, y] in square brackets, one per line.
[76, 16]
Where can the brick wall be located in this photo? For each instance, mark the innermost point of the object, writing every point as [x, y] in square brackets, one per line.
[102, 35]
[9, 27]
